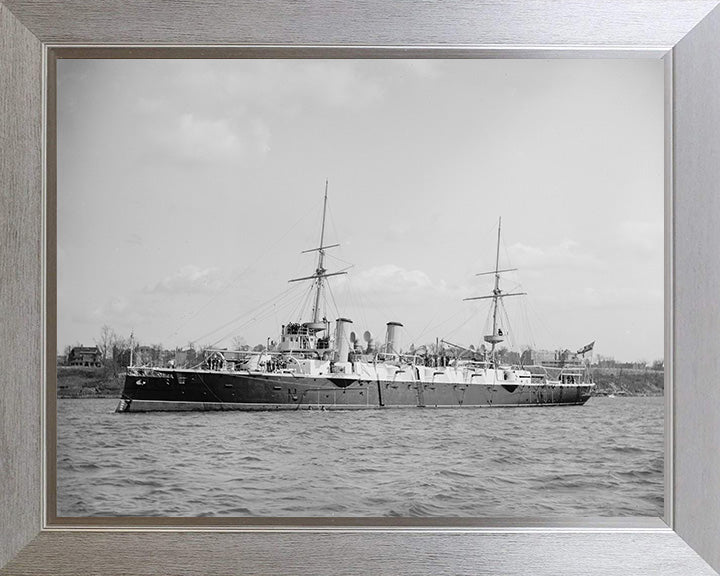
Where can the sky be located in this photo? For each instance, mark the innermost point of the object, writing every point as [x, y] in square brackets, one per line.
[187, 190]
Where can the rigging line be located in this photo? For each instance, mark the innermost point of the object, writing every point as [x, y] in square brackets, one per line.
[526, 318]
[385, 309]
[408, 336]
[266, 313]
[323, 306]
[209, 389]
[448, 319]
[348, 297]
[439, 324]
[359, 307]
[359, 304]
[259, 317]
[551, 337]
[302, 295]
[255, 310]
[275, 317]
[332, 222]
[356, 303]
[237, 276]
[486, 326]
[427, 326]
[549, 334]
[332, 297]
[506, 252]
[226, 325]
[422, 332]
[484, 238]
[235, 329]
[302, 308]
[509, 331]
[453, 331]
[516, 286]
[331, 256]
[262, 308]
[329, 304]
[299, 304]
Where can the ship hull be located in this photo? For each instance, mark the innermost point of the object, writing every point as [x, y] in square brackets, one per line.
[179, 390]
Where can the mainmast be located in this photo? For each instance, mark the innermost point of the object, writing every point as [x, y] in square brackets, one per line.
[496, 290]
[497, 336]
[320, 272]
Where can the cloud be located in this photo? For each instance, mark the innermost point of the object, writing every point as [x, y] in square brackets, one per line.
[386, 292]
[343, 86]
[567, 255]
[567, 275]
[256, 99]
[390, 278]
[263, 84]
[196, 138]
[261, 136]
[616, 297]
[152, 304]
[118, 305]
[188, 280]
[118, 312]
[390, 284]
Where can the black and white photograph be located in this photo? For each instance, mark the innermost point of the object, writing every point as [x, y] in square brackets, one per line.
[360, 288]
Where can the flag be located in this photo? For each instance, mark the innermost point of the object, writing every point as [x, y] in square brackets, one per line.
[586, 348]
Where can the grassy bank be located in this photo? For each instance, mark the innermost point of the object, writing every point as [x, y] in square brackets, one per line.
[77, 382]
[628, 382]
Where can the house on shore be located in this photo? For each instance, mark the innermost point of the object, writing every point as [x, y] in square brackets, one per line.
[85, 356]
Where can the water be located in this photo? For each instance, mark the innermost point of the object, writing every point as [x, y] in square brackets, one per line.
[601, 459]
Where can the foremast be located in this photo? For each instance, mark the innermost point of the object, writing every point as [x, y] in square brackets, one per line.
[318, 323]
[497, 294]
[320, 272]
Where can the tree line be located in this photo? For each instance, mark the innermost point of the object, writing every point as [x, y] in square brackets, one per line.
[116, 350]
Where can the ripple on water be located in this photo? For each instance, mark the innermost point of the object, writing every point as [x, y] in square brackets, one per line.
[602, 459]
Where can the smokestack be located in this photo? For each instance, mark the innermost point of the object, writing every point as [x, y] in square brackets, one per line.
[391, 344]
[342, 339]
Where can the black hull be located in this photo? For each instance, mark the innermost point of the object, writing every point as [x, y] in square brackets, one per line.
[181, 390]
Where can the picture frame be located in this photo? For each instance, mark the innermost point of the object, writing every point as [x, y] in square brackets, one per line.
[685, 34]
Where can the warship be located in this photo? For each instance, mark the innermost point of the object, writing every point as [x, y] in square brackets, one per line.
[313, 367]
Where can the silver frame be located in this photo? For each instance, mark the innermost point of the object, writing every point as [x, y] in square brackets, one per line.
[52, 53]
[23, 515]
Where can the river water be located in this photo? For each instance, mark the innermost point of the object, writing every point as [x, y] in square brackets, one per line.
[601, 459]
